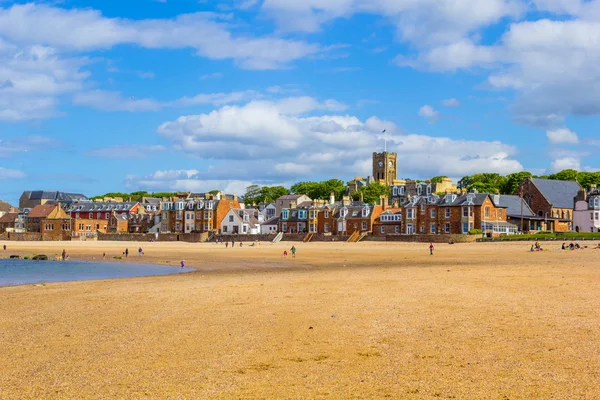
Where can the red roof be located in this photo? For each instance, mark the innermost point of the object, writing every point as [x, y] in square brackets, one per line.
[41, 211]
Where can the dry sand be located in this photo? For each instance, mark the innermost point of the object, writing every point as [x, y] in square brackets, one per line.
[368, 320]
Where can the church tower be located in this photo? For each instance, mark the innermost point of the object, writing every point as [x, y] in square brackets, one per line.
[385, 167]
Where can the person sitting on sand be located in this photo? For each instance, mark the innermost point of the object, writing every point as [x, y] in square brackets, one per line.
[577, 246]
[598, 247]
[564, 246]
[532, 248]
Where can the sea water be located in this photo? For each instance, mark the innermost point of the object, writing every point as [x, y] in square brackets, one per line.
[20, 272]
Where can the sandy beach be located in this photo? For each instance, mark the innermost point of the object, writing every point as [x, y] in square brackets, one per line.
[367, 320]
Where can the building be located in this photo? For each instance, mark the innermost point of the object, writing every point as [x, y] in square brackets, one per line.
[6, 208]
[520, 214]
[31, 199]
[294, 220]
[270, 226]
[586, 216]
[385, 167]
[290, 201]
[389, 222]
[9, 222]
[268, 211]
[197, 213]
[50, 221]
[241, 221]
[403, 190]
[551, 200]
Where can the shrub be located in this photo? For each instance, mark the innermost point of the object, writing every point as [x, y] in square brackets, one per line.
[475, 232]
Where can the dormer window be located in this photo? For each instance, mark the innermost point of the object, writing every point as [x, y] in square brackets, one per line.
[343, 212]
[209, 205]
[394, 191]
[365, 212]
[595, 202]
[285, 214]
[401, 191]
[419, 190]
[428, 190]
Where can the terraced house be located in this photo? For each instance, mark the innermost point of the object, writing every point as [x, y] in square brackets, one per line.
[196, 213]
[50, 221]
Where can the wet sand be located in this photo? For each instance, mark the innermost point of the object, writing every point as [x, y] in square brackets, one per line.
[367, 320]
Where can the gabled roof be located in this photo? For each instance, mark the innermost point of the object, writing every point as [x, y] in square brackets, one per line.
[513, 205]
[272, 221]
[50, 211]
[559, 194]
[291, 197]
[5, 207]
[9, 218]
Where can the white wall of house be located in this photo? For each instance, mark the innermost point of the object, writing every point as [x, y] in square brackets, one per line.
[231, 223]
[268, 229]
[586, 218]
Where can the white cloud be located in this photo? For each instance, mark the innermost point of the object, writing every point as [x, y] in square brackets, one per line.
[6, 174]
[429, 113]
[562, 135]
[32, 77]
[114, 101]
[564, 163]
[133, 151]
[264, 141]
[451, 102]
[23, 144]
[214, 75]
[87, 29]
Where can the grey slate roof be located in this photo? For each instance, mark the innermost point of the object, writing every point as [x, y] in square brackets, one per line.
[559, 193]
[99, 207]
[54, 195]
[513, 205]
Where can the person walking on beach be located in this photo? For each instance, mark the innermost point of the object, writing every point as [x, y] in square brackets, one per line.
[5, 248]
[430, 249]
[140, 251]
[293, 250]
[64, 254]
[227, 244]
[104, 256]
[126, 253]
[182, 263]
[232, 244]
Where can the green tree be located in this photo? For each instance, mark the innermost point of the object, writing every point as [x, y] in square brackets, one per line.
[513, 181]
[565, 175]
[320, 190]
[586, 179]
[438, 179]
[372, 193]
[252, 195]
[268, 194]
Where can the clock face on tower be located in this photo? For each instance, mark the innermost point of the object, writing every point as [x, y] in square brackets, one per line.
[380, 163]
[390, 164]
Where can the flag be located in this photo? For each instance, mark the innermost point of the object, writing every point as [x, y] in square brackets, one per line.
[383, 131]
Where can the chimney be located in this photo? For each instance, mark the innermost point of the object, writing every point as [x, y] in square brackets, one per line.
[581, 195]
[331, 198]
[383, 201]
[346, 201]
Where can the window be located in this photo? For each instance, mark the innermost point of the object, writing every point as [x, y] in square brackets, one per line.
[465, 227]
[423, 208]
[326, 214]
[432, 228]
[365, 212]
[382, 229]
[500, 213]
[313, 228]
[428, 190]
[470, 226]
[326, 227]
[419, 190]
[208, 214]
[245, 229]
[410, 213]
[401, 191]
[394, 192]
[199, 215]
[231, 218]
[466, 212]
[343, 212]
[433, 213]
[447, 212]
[364, 225]
[568, 214]
[596, 215]
[284, 227]
[397, 229]
[179, 215]
[285, 214]
[422, 229]
[224, 228]
[447, 228]
[206, 227]
[487, 212]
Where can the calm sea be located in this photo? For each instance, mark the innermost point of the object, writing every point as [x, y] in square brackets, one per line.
[20, 272]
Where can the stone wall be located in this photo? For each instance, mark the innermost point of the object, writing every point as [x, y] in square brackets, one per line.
[31, 237]
[148, 237]
[427, 238]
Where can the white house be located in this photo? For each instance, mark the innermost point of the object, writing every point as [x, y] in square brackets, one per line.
[241, 222]
[268, 211]
[586, 217]
[270, 226]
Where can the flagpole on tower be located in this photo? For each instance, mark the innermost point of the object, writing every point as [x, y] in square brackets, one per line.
[385, 140]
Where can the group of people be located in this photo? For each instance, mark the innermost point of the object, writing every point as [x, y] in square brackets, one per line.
[232, 244]
[571, 246]
[293, 250]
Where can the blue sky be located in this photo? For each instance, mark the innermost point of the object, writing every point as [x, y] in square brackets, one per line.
[99, 96]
